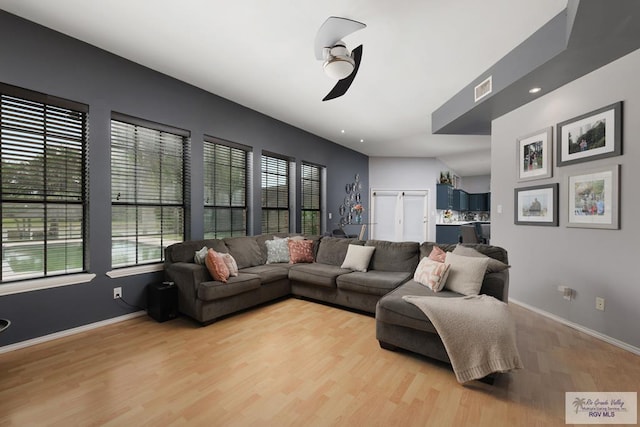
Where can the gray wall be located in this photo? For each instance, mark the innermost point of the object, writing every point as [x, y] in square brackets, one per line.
[593, 262]
[42, 60]
[476, 183]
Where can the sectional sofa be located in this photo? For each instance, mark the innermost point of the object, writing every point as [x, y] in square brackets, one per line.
[378, 290]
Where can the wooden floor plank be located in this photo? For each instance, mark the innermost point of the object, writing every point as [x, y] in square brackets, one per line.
[293, 363]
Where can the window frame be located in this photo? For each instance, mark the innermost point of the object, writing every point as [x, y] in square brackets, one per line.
[142, 266]
[284, 207]
[320, 195]
[56, 130]
[233, 147]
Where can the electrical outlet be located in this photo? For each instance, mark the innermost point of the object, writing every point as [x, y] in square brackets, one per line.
[117, 293]
[600, 303]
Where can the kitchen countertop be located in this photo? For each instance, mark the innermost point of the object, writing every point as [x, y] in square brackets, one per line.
[462, 222]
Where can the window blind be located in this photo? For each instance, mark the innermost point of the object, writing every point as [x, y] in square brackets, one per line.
[44, 152]
[147, 190]
[225, 189]
[275, 194]
[311, 199]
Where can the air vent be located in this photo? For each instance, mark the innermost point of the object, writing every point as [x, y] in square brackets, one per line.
[483, 89]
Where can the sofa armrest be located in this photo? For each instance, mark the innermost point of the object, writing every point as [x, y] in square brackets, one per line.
[496, 285]
[187, 276]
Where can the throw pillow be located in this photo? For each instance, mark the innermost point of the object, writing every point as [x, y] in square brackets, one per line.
[465, 274]
[216, 266]
[200, 255]
[358, 257]
[494, 265]
[437, 254]
[432, 274]
[231, 264]
[300, 251]
[277, 250]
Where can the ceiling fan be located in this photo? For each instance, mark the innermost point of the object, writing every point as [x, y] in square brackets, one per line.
[339, 63]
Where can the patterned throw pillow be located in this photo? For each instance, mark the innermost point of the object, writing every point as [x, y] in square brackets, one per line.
[216, 266]
[432, 274]
[300, 251]
[200, 255]
[277, 250]
[231, 264]
[437, 254]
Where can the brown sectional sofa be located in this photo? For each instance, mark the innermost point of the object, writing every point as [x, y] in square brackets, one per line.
[389, 277]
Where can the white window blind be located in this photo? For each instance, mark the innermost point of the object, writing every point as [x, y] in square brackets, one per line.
[225, 189]
[147, 190]
[44, 150]
[275, 194]
[311, 199]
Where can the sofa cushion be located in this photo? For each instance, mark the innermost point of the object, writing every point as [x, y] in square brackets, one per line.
[332, 250]
[373, 282]
[494, 265]
[216, 266]
[231, 264]
[245, 251]
[269, 272]
[358, 258]
[432, 274]
[244, 282]
[316, 274]
[277, 250]
[394, 310]
[466, 273]
[300, 251]
[394, 256]
[184, 251]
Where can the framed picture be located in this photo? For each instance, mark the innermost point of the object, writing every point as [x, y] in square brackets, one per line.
[536, 205]
[534, 155]
[592, 136]
[594, 198]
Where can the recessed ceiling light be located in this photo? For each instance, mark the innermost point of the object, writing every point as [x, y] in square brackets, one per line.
[362, 140]
[342, 131]
[535, 89]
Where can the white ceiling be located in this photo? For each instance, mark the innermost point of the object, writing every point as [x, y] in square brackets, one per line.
[417, 54]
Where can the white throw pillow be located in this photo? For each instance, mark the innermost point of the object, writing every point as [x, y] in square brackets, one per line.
[231, 264]
[201, 255]
[277, 250]
[465, 274]
[358, 257]
[432, 274]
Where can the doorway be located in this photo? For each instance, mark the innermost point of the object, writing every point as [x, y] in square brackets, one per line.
[399, 215]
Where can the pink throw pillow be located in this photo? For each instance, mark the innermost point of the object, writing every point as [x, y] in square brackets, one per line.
[437, 254]
[216, 266]
[432, 274]
[300, 251]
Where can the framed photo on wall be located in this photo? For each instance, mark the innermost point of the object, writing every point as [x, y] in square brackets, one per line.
[591, 136]
[536, 205]
[594, 198]
[534, 155]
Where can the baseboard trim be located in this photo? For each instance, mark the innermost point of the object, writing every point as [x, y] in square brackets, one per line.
[72, 331]
[621, 344]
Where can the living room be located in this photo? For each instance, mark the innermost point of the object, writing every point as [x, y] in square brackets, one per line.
[591, 262]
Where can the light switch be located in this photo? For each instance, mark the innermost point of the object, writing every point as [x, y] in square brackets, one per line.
[499, 209]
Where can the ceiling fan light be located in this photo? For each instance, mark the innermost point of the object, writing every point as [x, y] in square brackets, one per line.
[338, 67]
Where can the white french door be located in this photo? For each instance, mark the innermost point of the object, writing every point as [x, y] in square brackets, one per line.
[399, 215]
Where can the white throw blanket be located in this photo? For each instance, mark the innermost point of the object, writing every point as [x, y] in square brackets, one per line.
[478, 333]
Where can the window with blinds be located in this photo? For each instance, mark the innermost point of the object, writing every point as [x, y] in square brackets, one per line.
[311, 199]
[275, 194]
[147, 190]
[225, 189]
[44, 152]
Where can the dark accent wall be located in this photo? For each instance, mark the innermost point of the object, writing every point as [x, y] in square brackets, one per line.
[39, 59]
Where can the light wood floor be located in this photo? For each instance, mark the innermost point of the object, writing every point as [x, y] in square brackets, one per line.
[293, 363]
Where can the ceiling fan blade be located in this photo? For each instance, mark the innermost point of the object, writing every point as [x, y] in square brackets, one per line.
[333, 30]
[343, 85]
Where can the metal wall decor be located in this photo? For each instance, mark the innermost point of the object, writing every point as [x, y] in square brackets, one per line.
[351, 209]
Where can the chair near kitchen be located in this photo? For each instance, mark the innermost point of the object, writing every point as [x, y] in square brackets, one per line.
[468, 234]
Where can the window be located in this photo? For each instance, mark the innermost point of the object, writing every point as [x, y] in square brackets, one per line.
[311, 199]
[147, 189]
[225, 189]
[275, 194]
[44, 147]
